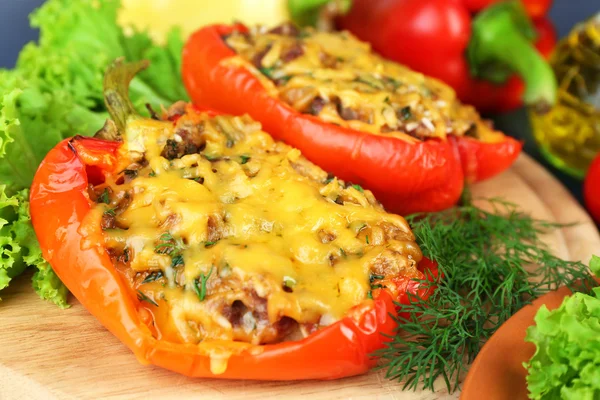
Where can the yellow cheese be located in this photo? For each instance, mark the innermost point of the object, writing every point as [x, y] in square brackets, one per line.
[387, 98]
[245, 220]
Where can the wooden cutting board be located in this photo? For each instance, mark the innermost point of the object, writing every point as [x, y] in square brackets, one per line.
[47, 353]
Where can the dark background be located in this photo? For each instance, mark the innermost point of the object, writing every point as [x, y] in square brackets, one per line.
[15, 32]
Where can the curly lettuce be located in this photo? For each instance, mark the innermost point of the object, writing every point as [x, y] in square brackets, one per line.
[566, 364]
[55, 92]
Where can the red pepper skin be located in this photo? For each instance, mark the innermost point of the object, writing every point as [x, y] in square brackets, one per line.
[591, 189]
[406, 177]
[534, 8]
[73, 246]
[433, 38]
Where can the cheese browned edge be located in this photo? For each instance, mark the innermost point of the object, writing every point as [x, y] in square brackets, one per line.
[338, 78]
[225, 234]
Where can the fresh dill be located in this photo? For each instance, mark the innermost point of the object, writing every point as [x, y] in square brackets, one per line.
[143, 297]
[200, 285]
[268, 72]
[153, 277]
[170, 246]
[104, 197]
[406, 113]
[483, 258]
[177, 261]
[358, 187]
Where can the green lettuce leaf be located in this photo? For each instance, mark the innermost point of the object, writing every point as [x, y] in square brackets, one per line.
[19, 248]
[55, 92]
[566, 364]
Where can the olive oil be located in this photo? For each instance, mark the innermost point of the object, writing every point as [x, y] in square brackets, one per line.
[569, 133]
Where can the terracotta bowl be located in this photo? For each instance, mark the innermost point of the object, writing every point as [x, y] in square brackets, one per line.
[498, 372]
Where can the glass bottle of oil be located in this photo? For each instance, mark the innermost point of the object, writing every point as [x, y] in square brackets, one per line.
[569, 133]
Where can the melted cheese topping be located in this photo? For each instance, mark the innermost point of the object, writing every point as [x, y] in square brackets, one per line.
[228, 235]
[338, 78]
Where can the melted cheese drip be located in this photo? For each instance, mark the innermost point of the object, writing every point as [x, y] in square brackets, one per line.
[271, 208]
[336, 66]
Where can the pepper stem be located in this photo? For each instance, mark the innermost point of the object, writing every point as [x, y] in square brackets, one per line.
[311, 12]
[117, 78]
[501, 44]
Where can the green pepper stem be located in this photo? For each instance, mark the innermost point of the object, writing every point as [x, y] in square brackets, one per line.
[501, 43]
[307, 12]
[117, 78]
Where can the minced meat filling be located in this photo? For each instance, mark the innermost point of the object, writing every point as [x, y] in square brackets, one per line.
[226, 234]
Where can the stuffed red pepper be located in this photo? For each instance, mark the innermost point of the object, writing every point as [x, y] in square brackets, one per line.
[212, 250]
[365, 119]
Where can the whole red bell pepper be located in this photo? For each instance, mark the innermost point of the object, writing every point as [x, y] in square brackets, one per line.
[405, 177]
[482, 48]
[73, 244]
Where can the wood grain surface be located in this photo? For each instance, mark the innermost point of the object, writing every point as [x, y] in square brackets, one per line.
[48, 353]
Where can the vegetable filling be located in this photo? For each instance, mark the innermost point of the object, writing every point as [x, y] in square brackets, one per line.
[337, 78]
[226, 234]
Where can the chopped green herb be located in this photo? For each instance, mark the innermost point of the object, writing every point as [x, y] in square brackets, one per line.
[142, 297]
[211, 157]
[110, 211]
[201, 290]
[152, 173]
[370, 81]
[283, 80]
[104, 197]
[268, 72]
[367, 237]
[370, 295]
[342, 252]
[405, 113]
[126, 254]
[359, 188]
[131, 173]
[154, 276]
[167, 244]
[177, 261]
[209, 243]
[244, 159]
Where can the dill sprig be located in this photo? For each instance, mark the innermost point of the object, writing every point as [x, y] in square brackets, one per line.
[492, 263]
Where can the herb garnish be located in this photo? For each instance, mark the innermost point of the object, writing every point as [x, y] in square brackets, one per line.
[244, 159]
[104, 197]
[142, 297]
[167, 244]
[482, 257]
[177, 261]
[268, 72]
[405, 113]
[359, 188]
[201, 290]
[153, 277]
[131, 173]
